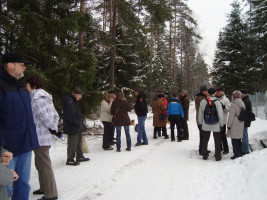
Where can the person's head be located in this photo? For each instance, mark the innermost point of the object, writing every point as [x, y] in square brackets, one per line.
[236, 94]
[160, 92]
[109, 97]
[121, 94]
[219, 92]
[244, 93]
[137, 91]
[160, 96]
[212, 91]
[174, 95]
[33, 82]
[77, 93]
[204, 90]
[14, 64]
[183, 93]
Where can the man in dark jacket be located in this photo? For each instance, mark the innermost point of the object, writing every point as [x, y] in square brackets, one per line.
[199, 97]
[141, 111]
[73, 127]
[16, 122]
[245, 143]
[185, 106]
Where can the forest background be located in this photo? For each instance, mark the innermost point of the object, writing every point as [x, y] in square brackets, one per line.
[127, 44]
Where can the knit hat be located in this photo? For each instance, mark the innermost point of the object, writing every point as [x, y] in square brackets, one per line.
[244, 91]
[211, 91]
[77, 90]
[203, 88]
[219, 89]
[13, 58]
[174, 95]
[111, 92]
[160, 95]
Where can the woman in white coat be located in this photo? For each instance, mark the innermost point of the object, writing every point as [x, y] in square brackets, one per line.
[234, 125]
[106, 118]
[46, 120]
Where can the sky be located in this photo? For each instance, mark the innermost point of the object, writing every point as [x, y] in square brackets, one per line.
[211, 18]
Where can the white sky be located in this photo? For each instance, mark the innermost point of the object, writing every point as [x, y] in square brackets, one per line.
[211, 18]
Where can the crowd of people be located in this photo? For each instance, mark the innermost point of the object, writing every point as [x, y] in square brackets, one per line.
[29, 123]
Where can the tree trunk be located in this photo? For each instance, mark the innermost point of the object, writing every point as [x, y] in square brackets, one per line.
[81, 36]
[152, 37]
[113, 48]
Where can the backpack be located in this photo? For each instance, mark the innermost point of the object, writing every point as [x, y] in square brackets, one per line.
[243, 115]
[210, 113]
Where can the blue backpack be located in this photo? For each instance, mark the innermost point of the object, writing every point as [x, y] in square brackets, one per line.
[210, 113]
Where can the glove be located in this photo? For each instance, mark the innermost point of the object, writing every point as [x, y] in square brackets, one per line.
[58, 134]
[200, 127]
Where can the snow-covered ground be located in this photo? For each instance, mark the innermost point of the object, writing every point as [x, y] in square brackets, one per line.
[162, 170]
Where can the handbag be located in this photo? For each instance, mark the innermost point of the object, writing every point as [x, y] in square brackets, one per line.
[161, 116]
[85, 148]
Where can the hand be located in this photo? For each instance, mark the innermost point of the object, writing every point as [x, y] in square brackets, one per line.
[200, 127]
[58, 134]
[16, 176]
[6, 158]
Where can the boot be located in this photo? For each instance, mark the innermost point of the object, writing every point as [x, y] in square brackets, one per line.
[155, 133]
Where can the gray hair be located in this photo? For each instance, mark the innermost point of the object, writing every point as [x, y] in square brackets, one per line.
[237, 93]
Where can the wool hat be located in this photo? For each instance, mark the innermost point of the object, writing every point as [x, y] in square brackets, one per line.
[13, 58]
[111, 92]
[160, 91]
[160, 95]
[174, 95]
[244, 91]
[203, 88]
[77, 90]
[219, 89]
[211, 91]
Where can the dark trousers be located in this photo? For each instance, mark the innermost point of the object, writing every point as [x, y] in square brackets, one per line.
[185, 131]
[217, 141]
[107, 137]
[74, 146]
[224, 140]
[178, 123]
[200, 141]
[112, 134]
[157, 131]
[237, 144]
[45, 172]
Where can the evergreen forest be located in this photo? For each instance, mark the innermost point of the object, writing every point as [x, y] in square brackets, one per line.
[128, 44]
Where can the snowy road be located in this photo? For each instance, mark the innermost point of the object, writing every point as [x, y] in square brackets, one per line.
[162, 170]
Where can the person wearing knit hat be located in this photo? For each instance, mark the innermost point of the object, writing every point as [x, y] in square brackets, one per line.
[225, 106]
[248, 104]
[207, 127]
[199, 97]
[234, 125]
[73, 126]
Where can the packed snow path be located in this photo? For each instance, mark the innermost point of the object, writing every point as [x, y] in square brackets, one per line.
[162, 170]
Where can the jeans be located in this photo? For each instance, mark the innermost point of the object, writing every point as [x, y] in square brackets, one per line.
[245, 148]
[141, 130]
[22, 165]
[128, 137]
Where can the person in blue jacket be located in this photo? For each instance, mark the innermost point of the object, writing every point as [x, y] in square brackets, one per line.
[16, 122]
[175, 116]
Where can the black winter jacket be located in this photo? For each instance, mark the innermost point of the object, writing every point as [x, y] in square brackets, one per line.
[72, 121]
[249, 110]
[141, 105]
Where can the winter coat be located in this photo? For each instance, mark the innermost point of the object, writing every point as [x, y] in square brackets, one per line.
[6, 178]
[16, 119]
[265, 98]
[199, 97]
[225, 105]
[105, 115]
[248, 105]
[236, 126]
[175, 108]
[119, 110]
[72, 121]
[185, 105]
[45, 116]
[141, 105]
[158, 108]
[213, 127]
